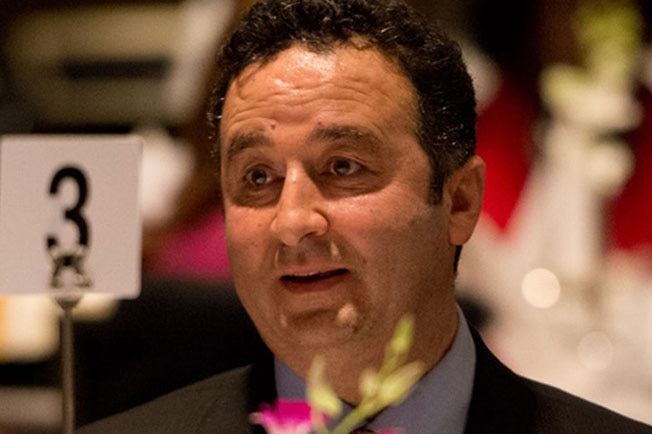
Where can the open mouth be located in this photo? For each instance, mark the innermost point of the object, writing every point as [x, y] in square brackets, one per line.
[313, 277]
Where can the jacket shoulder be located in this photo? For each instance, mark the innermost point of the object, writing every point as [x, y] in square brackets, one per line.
[561, 412]
[507, 403]
[221, 398]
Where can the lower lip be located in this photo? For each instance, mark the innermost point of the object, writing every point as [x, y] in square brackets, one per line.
[317, 285]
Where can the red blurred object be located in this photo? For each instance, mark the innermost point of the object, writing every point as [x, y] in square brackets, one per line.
[505, 142]
[629, 219]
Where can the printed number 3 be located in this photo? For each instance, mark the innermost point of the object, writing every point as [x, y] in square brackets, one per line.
[73, 214]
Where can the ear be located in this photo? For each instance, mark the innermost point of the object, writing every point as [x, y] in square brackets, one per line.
[464, 191]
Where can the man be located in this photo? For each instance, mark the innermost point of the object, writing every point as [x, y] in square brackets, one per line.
[349, 181]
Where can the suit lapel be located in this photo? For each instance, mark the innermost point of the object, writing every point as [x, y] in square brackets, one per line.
[241, 395]
[501, 402]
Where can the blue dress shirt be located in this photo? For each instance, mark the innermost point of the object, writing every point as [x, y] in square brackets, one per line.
[438, 403]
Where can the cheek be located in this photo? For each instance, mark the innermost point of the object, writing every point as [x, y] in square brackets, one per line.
[391, 213]
[245, 247]
[398, 236]
[244, 237]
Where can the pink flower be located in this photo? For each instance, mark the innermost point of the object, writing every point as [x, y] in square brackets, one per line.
[284, 417]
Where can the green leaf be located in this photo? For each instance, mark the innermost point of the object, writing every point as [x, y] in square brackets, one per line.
[398, 384]
[319, 394]
[402, 339]
[323, 399]
[369, 383]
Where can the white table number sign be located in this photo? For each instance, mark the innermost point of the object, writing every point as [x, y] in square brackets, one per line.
[70, 214]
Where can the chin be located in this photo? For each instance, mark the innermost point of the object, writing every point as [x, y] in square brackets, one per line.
[317, 331]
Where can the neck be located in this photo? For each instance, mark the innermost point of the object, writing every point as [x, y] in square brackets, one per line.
[347, 361]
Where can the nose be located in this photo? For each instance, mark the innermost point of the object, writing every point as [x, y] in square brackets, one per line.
[299, 211]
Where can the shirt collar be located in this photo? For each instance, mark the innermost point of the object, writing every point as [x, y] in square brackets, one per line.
[438, 403]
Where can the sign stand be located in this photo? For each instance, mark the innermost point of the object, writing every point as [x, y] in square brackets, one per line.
[67, 304]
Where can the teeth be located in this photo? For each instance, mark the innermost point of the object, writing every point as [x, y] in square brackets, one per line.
[301, 276]
[304, 274]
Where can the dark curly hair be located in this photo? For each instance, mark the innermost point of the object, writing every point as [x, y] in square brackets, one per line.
[433, 63]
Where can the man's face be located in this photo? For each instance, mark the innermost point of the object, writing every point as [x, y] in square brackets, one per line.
[329, 228]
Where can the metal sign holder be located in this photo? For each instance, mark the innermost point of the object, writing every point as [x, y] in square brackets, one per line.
[67, 295]
[67, 304]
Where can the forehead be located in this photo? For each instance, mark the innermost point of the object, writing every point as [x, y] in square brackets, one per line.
[346, 78]
[351, 59]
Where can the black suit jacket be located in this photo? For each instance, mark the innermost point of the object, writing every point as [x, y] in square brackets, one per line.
[502, 402]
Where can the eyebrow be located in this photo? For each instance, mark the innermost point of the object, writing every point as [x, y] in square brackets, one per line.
[242, 141]
[345, 132]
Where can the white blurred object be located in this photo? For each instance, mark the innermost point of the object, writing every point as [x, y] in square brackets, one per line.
[29, 324]
[28, 328]
[117, 64]
[584, 165]
[541, 288]
[608, 167]
[166, 168]
[595, 351]
[484, 72]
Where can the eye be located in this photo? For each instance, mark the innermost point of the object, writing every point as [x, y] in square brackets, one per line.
[257, 177]
[344, 167]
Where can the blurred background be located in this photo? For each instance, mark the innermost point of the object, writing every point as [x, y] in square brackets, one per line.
[558, 277]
